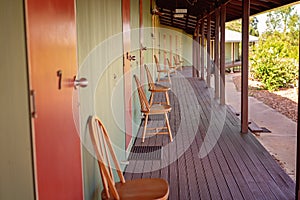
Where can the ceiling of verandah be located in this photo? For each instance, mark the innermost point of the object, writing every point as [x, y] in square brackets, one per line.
[199, 9]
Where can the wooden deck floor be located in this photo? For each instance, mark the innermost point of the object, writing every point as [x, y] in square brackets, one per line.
[209, 157]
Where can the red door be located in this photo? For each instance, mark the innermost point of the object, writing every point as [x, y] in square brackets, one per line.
[51, 37]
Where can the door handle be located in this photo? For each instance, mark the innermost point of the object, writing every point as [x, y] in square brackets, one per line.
[33, 112]
[59, 75]
[83, 82]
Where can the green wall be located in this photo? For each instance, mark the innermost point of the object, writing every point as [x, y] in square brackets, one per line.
[187, 49]
[135, 65]
[99, 29]
[184, 44]
[100, 58]
[16, 177]
[147, 31]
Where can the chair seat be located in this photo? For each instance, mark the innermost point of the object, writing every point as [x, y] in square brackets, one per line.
[159, 88]
[163, 70]
[148, 188]
[159, 108]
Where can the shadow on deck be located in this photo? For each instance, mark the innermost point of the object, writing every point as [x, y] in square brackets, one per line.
[209, 158]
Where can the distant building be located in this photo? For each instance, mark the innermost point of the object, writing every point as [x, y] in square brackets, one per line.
[233, 41]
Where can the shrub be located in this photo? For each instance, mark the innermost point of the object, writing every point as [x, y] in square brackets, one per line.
[271, 63]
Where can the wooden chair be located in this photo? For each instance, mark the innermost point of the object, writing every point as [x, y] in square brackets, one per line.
[155, 88]
[178, 62]
[148, 188]
[154, 109]
[172, 68]
[160, 70]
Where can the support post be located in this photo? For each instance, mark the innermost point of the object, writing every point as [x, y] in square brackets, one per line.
[245, 64]
[194, 56]
[222, 56]
[198, 53]
[208, 57]
[217, 54]
[165, 50]
[202, 49]
[171, 50]
[298, 142]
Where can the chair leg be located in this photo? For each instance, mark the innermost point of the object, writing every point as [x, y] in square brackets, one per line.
[145, 128]
[151, 99]
[169, 78]
[158, 77]
[168, 126]
[167, 98]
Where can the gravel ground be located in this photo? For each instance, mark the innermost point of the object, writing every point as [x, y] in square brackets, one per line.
[284, 101]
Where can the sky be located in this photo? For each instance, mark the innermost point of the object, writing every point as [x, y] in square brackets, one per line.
[262, 19]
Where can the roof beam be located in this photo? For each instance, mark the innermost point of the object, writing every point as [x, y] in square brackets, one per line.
[172, 17]
[252, 4]
[186, 20]
[277, 2]
[208, 46]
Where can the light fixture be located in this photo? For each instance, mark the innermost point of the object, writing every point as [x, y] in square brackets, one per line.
[178, 15]
[180, 10]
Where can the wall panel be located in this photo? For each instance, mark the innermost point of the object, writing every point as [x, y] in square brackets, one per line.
[16, 177]
[100, 54]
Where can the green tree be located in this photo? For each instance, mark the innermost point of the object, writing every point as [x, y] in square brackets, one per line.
[272, 22]
[284, 20]
[236, 25]
[274, 60]
[253, 27]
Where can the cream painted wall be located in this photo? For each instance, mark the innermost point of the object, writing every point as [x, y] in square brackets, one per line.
[16, 177]
[236, 50]
[228, 52]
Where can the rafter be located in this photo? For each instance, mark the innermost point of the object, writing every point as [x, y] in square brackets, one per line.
[204, 7]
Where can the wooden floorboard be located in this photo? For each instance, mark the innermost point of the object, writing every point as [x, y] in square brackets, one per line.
[249, 179]
[233, 166]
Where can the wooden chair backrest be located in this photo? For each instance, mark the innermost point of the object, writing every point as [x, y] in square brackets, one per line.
[145, 107]
[175, 60]
[105, 153]
[150, 79]
[157, 63]
[169, 63]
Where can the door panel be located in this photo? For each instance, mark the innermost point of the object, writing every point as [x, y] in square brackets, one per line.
[103, 67]
[51, 34]
[16, 178]
[135, 47]
[127, 73]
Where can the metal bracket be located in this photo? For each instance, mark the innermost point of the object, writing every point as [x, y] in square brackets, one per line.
[130, 57]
